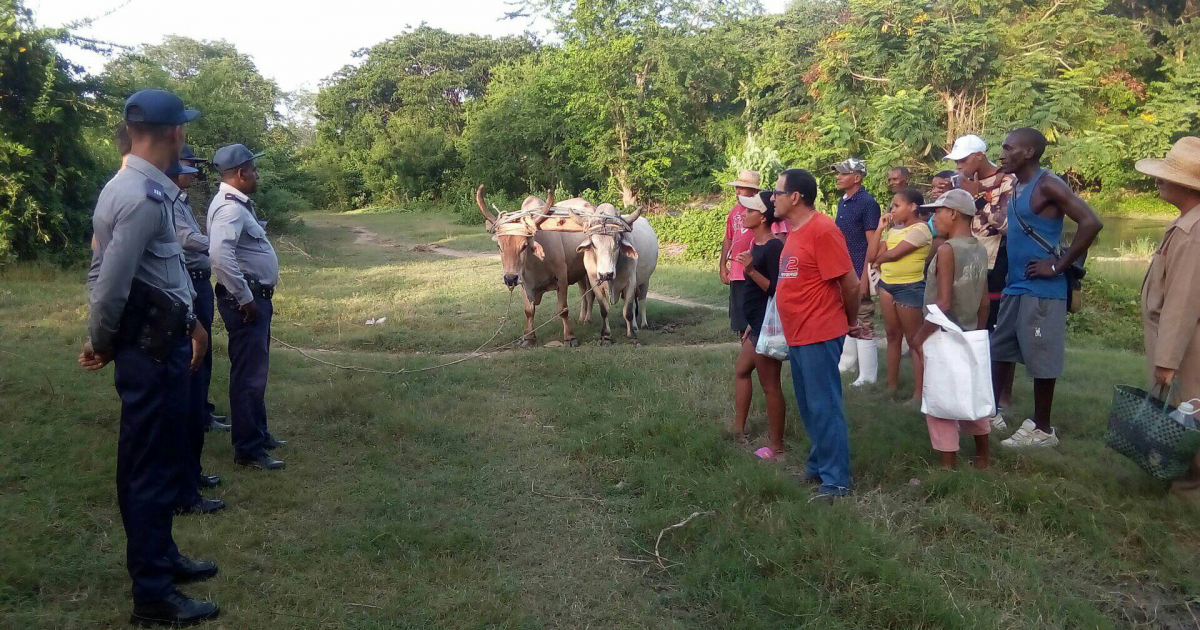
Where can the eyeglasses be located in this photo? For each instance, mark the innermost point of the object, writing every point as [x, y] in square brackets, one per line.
[776, 193]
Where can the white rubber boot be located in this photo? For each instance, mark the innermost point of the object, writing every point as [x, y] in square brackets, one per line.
[849, 360]
[868, 363]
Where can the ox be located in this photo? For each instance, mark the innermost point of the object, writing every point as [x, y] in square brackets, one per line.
[620, 253]
[538, 260]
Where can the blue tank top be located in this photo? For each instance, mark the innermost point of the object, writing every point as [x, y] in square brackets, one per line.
[1022, 248]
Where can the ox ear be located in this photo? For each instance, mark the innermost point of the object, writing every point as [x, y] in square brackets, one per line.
[629, 251]
[538, 251]
[586, 244]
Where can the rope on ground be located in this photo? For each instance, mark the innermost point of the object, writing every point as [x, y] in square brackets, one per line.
[475, 354]
[659, 559]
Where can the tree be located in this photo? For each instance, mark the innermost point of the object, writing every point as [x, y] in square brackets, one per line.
[392, 122]
[48, 173]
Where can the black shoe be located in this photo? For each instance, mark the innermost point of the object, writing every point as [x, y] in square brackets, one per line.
[217, 423]
[271, 443]
[203, 506]
[186, 570]
[210, 481]
[175, 609]
[264, 462]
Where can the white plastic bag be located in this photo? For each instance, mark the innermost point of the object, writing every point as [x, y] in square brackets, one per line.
[771, 341]
[958, 371]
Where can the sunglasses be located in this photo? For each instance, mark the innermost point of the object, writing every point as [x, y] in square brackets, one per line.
[776, 193]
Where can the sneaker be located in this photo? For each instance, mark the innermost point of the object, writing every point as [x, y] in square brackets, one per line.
[998, 423]
[1030, 436]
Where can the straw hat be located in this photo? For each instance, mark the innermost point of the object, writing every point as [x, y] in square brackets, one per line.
[747, 179]
[1181, 166]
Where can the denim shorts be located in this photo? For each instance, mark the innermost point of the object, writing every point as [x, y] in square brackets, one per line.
[911, 294]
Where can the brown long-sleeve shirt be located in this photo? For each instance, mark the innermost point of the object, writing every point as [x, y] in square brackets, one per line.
[1171, 305]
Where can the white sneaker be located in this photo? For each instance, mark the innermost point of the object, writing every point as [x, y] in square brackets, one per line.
[998, 423]
[1030, 436]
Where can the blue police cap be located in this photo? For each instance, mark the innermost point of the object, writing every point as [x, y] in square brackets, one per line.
[189, 155]
[157, 107]
[232, 156]
[179, 168]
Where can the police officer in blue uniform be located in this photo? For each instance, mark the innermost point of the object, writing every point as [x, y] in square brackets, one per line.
[247, 271]
[141, 319]
[195, 257]
[188, 157]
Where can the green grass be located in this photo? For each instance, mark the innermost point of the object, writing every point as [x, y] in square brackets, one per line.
[528, 489]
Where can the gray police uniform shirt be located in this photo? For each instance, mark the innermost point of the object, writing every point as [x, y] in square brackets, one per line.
[238, 245]
[191, 238]
[135, 238]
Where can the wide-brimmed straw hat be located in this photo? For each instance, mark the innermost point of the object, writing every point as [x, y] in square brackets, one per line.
[747, 179]
[1181, 166]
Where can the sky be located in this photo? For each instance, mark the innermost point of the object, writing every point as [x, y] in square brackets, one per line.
[295, 43]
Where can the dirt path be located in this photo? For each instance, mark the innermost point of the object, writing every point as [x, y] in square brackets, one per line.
[363, 236]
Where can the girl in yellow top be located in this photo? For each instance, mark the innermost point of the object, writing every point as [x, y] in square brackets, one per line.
[901, 262]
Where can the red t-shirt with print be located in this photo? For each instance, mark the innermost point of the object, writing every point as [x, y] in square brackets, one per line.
[808, 295]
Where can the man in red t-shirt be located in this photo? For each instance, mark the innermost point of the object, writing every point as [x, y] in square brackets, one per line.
[817, 296]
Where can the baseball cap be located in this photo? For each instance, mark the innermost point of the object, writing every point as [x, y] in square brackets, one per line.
[179, 168]
[957, 199]
[232, 156]
[966, 145]
[187, 154]
[851, 165]
[157, 107]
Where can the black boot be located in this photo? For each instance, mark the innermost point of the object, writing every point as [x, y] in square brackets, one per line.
[210, 481]
[176, 609]
[203, 506]
[271, 443]
[217, 423]
[185, 570]
[263, 461]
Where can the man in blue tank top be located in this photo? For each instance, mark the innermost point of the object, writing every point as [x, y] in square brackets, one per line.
[1031, 325]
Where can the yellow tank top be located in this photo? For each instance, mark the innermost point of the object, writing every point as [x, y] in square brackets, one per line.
[910, 268]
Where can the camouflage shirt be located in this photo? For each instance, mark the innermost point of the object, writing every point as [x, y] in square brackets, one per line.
[991, 221]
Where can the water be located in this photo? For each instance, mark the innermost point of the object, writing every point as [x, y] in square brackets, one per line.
[1119, 231]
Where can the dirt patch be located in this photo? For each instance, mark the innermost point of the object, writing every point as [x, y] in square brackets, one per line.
[682, 302]
[363, 236]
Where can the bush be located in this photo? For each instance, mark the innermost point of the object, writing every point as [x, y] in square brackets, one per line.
[701, 231]
[1122, 203]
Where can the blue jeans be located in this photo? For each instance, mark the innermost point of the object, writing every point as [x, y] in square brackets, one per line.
[818, 387]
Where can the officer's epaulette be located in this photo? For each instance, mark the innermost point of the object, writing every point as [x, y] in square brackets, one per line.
[154, 191]
[232, 197]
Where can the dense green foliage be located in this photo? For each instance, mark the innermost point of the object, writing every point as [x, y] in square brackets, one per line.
[631, 101]
[48, 173]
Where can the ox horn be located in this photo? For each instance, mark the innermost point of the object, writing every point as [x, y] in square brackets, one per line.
[483, 207]
[574, 216]
[547, 210]
[633, 216]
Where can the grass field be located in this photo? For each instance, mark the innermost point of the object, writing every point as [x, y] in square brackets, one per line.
[535, 488]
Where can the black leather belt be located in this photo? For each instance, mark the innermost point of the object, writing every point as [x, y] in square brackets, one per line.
[200, 274]
[264, 291]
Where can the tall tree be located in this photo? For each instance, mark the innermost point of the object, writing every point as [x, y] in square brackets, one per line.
[48, 174]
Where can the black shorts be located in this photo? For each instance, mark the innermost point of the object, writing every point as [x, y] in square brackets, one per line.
[737, 319]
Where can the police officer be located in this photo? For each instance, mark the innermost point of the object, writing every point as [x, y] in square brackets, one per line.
[247, 272]
[188, 157]
[195, 257]
[141, 319]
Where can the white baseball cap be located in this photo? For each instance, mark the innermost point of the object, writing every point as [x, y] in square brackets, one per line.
[966, 145]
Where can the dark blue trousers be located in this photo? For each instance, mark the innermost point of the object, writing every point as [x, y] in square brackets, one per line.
[249, 357]
[150, 452]
[198, 409]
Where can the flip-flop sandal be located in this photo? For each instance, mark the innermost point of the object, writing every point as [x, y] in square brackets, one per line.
[767, 454]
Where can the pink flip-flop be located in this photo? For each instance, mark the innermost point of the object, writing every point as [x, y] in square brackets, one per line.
[767, 454]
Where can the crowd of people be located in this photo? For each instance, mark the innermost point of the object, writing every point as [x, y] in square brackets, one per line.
[152, 307]
[985, 248]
